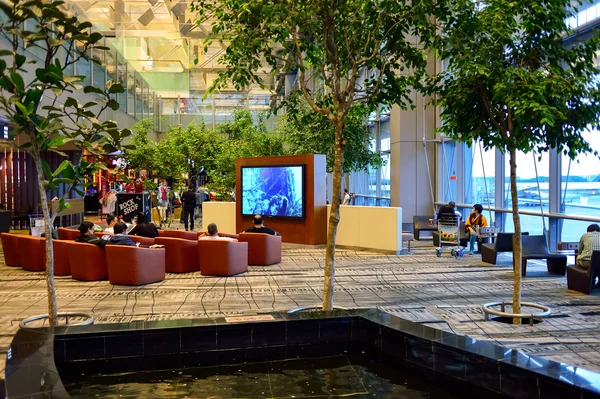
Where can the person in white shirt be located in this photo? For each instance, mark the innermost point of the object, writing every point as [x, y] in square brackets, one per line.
[346, 197]
[111, 221]
[213, 234]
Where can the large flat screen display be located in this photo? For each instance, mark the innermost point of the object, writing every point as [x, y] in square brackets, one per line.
[276, 191]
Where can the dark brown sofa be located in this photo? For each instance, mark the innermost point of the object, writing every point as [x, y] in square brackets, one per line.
[489, 252]
[583, 280]
[421, 223]
[536, 247]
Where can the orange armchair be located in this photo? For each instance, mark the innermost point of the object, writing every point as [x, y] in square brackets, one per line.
[181, 256]
[142, 240]
[263, 249]
[10, 247]
[68, 234]
[222, 258]
[202, 233]
[32, 251]
[62, 266]
[129, 265]
[87, 261]
[186, 235]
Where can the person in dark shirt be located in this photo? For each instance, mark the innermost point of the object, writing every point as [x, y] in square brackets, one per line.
[259, 228]
[87, 235]
[188, 202]
[121, 237]
[143, 228]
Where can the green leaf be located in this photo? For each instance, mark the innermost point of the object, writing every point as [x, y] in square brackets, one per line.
[92, 89]
[62, 205]
[20, 60]
[71, 102]
[113, 104]
[116, 88]
[17, 80]
[46, 169]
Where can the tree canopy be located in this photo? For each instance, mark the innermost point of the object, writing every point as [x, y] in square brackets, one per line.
[344, 51]
[512, 83]
[308, 132]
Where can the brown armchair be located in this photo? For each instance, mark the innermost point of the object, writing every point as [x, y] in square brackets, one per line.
[222, 258]
[186, 235]
[10, 247]
[583, 280]
[87, 261]
[129, 265]
[234, 236]
[68, 234]
[263, 249]
[181, 256]
[142, 240]
[32, 251]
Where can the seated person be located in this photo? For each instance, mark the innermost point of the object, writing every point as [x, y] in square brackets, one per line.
[143, 228]
[87, 235]
[474, 222]
[259, 228]
[121, 238]
[111, 221]
[588, 243]
[213, 234]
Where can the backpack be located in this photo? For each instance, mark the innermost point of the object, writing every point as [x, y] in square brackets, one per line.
[163, 194]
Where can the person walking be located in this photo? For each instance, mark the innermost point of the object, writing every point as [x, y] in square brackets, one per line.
[188, 203]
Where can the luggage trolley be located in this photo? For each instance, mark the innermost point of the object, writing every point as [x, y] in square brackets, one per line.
[449, 234]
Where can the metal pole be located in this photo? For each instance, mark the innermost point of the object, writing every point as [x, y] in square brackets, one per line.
[487, 194]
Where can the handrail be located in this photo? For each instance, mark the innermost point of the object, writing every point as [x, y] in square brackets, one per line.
[533, 213]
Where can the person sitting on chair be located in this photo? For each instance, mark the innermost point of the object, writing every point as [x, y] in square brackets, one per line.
[87, 235]
[588, 243]
[111, 221]
[259, 228]
[121, 238]
[474, 222]
[143, 228]
[213, 234]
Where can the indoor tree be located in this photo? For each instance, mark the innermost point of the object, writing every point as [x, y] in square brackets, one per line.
[308, 132]
[35, 97]
[344, 52]
[512, 83]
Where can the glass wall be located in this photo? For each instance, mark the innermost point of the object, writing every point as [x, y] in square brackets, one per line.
[479, 184]
[580, 189]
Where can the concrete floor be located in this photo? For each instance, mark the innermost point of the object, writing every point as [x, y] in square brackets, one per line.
[443, 293]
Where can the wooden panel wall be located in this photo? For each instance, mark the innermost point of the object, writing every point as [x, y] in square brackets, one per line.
[313, 229]
[18, 180]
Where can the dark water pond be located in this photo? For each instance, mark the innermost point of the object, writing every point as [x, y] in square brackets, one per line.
[347, 375]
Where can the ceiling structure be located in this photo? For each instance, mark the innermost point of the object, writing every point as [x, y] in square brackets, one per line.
[160, 36]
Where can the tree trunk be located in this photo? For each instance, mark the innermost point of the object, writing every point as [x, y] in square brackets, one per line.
[334, 218]
[517, 236]
[52, 310]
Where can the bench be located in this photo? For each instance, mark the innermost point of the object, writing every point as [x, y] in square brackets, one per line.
[536, 247]
[408, 237]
